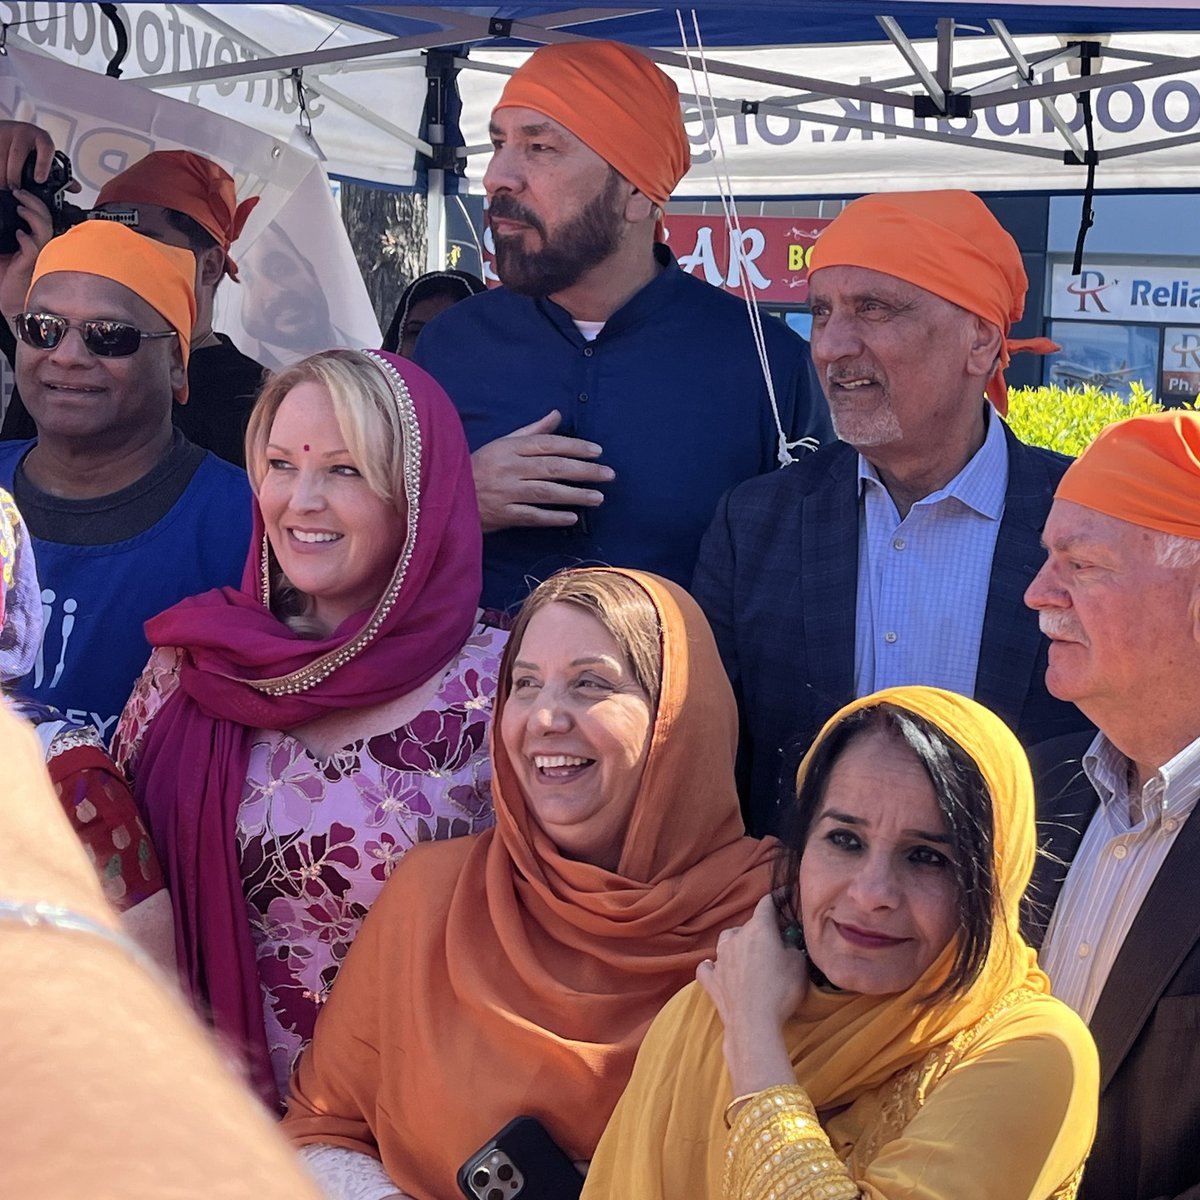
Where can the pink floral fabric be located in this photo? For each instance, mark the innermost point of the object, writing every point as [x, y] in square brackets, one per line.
[318, 838]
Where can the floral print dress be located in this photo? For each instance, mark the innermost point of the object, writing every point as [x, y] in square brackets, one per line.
[318, 837]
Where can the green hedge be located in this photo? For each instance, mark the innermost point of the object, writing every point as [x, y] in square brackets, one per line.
[1067, 420]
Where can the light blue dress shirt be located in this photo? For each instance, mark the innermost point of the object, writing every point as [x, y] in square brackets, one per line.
[923, 580]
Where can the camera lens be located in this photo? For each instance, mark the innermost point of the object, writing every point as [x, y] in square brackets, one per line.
[504, 1172]
[494, 1194]
[481, 1177]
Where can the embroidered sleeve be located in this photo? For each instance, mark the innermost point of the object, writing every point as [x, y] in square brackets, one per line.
[96, 799]
[777, 1150]
[343, 1174]
[154, 687]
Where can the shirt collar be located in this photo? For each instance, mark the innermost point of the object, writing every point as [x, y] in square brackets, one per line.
[981, 485]
[1173, 791]
[654, 297]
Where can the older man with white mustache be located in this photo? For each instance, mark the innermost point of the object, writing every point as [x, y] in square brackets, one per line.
[899, 554]
[1119, 597]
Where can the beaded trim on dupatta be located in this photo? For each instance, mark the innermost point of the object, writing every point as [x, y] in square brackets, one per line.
[321, 668]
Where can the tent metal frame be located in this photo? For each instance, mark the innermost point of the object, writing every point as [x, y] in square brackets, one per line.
[938, 93]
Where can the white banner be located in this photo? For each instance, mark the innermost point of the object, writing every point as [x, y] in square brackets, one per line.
[1127, 292]
[300, 288]
[774, 155]
[358, 118]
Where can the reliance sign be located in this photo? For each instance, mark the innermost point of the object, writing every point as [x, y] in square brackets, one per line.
[1127, 292]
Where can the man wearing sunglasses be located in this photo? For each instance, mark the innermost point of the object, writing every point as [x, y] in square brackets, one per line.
[127, 515]
[179, 198]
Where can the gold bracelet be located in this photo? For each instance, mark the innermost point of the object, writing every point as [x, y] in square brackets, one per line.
[736, 1102]
[777, 1150]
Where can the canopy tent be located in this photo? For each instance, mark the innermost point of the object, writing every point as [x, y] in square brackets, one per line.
[792, 96]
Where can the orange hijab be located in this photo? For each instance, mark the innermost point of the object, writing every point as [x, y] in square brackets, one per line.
[947, 243]
[494, 977]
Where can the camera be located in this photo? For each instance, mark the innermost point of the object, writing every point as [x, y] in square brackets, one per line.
[62, 214]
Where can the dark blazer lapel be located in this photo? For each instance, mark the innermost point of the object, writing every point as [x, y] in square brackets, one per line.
[829, 586]
[1164, 931]
[1008, 647]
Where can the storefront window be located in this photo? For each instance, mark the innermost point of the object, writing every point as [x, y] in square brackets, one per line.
[1103, 355]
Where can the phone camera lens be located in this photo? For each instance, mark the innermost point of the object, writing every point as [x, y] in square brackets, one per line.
[504, 1172]
[481, 1178]
[494, 1194]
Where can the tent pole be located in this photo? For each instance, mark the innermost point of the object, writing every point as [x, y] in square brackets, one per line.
[438, 77]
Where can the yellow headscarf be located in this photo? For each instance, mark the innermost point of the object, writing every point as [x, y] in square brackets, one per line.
[841, 1045]
[845, 1045]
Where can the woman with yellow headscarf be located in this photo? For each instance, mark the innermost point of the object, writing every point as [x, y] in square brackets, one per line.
[879, 1028]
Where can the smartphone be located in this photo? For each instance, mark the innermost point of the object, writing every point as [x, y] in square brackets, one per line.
[522, 1162]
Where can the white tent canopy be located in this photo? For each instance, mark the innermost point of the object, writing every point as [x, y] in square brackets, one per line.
[791, 97]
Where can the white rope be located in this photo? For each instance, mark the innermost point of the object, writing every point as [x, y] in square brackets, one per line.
[729, 208]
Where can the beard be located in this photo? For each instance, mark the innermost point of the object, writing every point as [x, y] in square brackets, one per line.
[581, 243]
[879, 427]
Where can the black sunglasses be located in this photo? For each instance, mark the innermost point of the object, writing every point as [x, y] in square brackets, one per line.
[106, 339]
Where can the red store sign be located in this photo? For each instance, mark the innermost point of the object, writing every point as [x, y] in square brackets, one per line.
[775, 253]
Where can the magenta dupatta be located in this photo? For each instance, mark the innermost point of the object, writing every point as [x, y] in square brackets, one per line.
[244, 670]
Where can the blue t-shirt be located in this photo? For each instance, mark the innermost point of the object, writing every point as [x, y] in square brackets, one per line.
[671, 389]
[96, 598]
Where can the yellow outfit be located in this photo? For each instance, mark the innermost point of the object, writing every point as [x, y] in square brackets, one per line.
[991, 1095]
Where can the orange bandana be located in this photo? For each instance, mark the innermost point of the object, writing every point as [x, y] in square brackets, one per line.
[1144, 470]
[947, 243]
[615, 101]
[187, 183]
[163, 276]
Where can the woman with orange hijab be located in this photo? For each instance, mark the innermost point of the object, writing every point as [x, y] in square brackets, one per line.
[515, 972]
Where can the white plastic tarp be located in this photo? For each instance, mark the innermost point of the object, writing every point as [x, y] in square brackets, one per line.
[300, 288]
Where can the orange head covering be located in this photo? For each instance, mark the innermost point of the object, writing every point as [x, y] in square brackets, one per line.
[187, 183]
[500, 949]
[614, 100]
[947, 243]
[163, 276]
[1144, 470]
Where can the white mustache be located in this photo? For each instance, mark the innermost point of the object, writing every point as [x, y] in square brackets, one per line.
[1058, 625]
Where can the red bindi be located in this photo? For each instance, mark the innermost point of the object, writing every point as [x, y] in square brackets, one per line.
[306, 448]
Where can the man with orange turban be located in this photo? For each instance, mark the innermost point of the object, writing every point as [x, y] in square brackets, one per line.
[127, 516]
[897, 555]
[609, 397]
[1119, 598]
[182, 199]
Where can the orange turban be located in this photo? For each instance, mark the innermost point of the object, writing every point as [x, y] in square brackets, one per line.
[614, 100]
[187, 183]
[163, 276]
[947, 243]
[1144, 470]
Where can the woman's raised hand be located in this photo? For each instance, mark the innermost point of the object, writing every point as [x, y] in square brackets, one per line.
[756, 983]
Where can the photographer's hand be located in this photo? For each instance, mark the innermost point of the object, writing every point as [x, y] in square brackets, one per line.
[16, 270]
[17, 140]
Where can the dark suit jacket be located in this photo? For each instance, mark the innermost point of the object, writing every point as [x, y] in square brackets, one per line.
[778, 580]
[1147, 1021]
